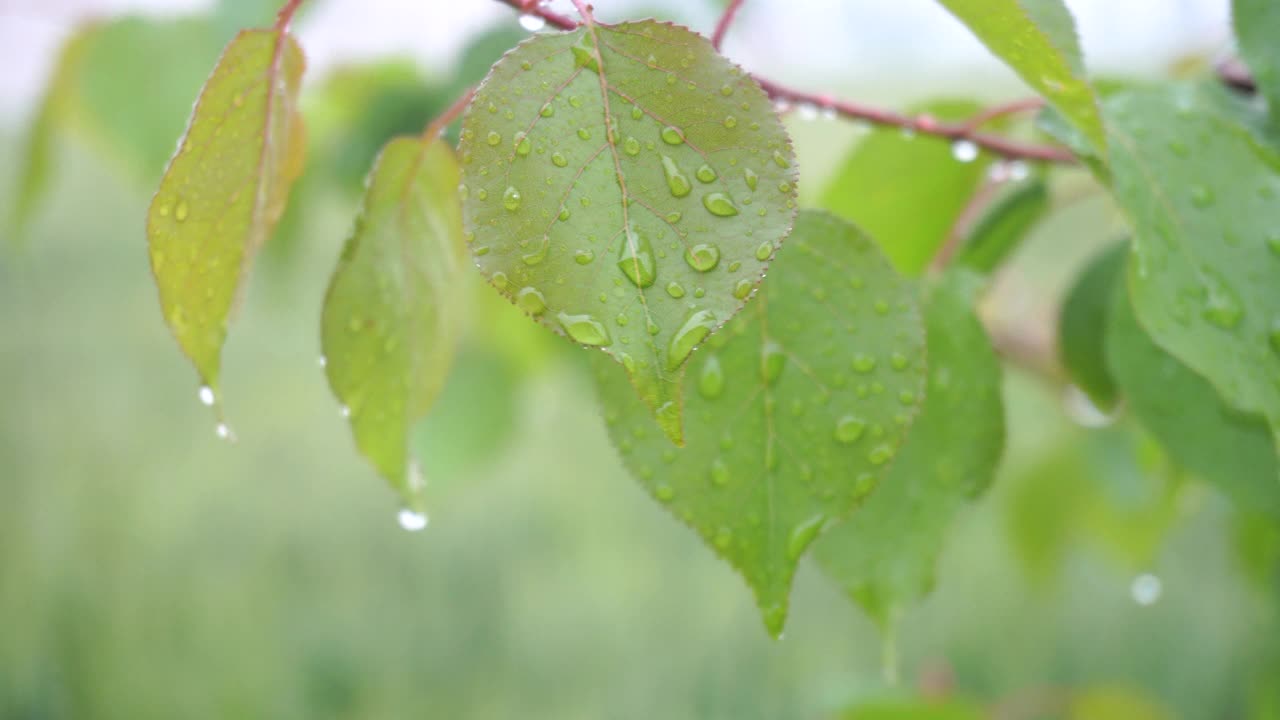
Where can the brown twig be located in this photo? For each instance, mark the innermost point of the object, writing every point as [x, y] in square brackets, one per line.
[926, 124]
[726, 19]
[285, 16]
[451, 113]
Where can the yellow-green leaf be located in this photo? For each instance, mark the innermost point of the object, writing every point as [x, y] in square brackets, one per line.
[627, 187]
[224, 190]
[391, 316]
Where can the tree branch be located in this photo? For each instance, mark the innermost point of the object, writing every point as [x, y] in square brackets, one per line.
[926, 124]
[726, 19]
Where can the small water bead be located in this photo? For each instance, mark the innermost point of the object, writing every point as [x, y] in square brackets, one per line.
[493, 138]
[674, 216]
[711, 379]
[511, 199]
[743, 288]
[706, 174]
[523, 144]
[631, 146]
[564, 214]
[898, 361]
[719, 204]
[547, 110]
[206, 396]
[584, 133]
[180, 211]
[677, 183]
[764, 250]
[730, 122]
[694, 330]
[664, 493]
[575, 101]
[1201, 196]
[636, 261]
[803, 535]
[784, 187]
[584, 257]
[559, 160]
[751, 178]
[622, 321]
[723, 538]
[671, 135]
[964, 151]
[735, 266]
[702, 257]
[863, 363]
[781, 160]
[531, 300]
[699, 292]
[584, 329]
[499, 280]
[412, 520]
[636, 113]
[719, 473]
[482, 194]
[675, 289]
[880, 455]
[849, 429]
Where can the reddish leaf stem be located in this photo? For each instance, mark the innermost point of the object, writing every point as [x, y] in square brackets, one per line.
[726, 19]
[926, 124]
[964, 222]
[285, 16]
[1030, 104]
[451, 113]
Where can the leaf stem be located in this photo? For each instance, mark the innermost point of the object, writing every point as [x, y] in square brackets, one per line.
[1012, 107]
[451, 113]
[964, 222]
[285, 16]
[726, 19]
[926, 124]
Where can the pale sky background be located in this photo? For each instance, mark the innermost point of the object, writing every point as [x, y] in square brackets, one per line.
[801, 41]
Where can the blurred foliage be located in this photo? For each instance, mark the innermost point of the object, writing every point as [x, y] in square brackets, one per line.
[149, 570]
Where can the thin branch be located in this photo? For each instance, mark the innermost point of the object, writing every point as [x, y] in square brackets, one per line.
[441, 121]
[973, 209]
[926, 124]
[722, 27]
[1030, 104]
[285, 16]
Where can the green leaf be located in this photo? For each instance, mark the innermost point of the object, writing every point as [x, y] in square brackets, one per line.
[390, 324]
[1082, 323]
[225, 189]
[906, 191]
[1002, 227]
[1037, 39]
[884, 555]
[1115, 703]
[796, 409]
[1230, 450]
[1257, 25]
[642, 236]
[1200, 193]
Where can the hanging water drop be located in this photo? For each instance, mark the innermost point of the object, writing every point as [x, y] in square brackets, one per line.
[531, 22]
[807, 111]
[206, 395]
[412, 520]
[224, 432]
[964, 151]
[1146, 589]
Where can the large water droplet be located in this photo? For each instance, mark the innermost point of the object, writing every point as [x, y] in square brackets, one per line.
[538, 255]
[711, 380]
[743, 288]
[772, 361]
[584, 257]
[849, 429]
[781, 160]
[1146, 589]
[751, 177]
[493, 138]
[531, 300]
[671, 135]
[706, 174]
[764, 250]
[412, 520]
[206, 395]
[803, 534]
[677, 183]
[675, 289]
[702, 257]
[631, 146]
[559, 160]
[584, 329]
[523, 144]
[693, 331]
[511, 199]
[964, 151]
[635, 259]
[719, 204]
[584, 53]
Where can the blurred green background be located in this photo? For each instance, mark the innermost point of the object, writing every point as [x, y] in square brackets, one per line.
[148, 569]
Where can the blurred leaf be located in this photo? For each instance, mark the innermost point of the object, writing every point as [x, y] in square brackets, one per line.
[1004, 225]
[1083, 323]
[1115, 703]
[225, 189]
[474, 417]
[1200, 193]
[640, 238]
[906, 191]
[1037, 39]
[138, 125]
[797, 412]
[33, 177]
[1257, 25]
[884, 555]
[914, 710]
[1182, 410]
[391, 316]
[1257, 544]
